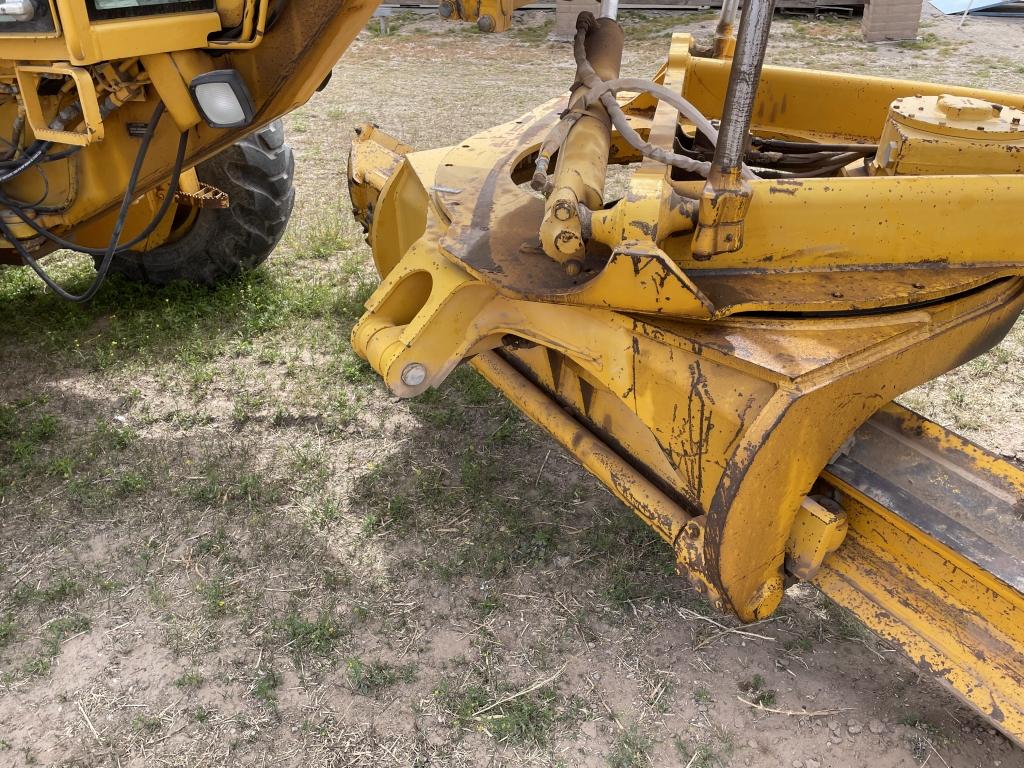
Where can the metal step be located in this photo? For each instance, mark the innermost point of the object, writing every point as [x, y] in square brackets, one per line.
[934, 560]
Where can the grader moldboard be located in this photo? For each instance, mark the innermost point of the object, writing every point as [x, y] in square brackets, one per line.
[720, 344]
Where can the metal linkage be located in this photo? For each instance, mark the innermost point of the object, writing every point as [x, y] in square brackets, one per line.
[585, 160]
[726, 196]
[584, 146]
[751, 45]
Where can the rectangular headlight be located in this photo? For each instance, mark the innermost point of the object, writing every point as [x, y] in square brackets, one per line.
[223, 99]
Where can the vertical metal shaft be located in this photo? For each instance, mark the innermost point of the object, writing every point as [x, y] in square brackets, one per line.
[727, 19]
[751, 44]
[725, 34]
[609, 9]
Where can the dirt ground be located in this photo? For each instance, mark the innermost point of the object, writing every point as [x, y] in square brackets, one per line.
[223, 543]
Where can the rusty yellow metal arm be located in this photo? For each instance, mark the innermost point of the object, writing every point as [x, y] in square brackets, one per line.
[715, 391]
[934, 560]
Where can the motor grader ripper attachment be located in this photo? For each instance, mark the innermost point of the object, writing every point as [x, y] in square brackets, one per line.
[718, 341]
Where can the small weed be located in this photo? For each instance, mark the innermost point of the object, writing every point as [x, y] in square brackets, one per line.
[326, 511]
[840, 620]
[755, 688]
[62, 589]
[370, 679]
[190, 679]
[324, 236]
[245, 407]
[702, 756]
[200, 715]
[531, 33]
[265, 687]
[146, 724]
[915, 720]
[119, 438]
[318, 636]
[215, 593]
[215, 544]
[488, 605]
[803, 644]
[7, 630]
[355, 370]
[55, 633]
[526, 719]
[62, 467]
[702, 695]
[631, 749]
[130, 483]
[39, 666]
[924, 42]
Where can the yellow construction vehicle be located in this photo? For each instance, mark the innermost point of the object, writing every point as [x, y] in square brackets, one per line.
[719, 344]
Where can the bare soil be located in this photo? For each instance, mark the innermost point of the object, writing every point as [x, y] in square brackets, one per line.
[223, 543]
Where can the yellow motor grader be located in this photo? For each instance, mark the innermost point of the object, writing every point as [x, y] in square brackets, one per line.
[720, 343]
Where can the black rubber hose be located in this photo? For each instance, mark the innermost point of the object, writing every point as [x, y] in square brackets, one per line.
[808, 147]
[108, 257]
[165, 206]
[33, 155]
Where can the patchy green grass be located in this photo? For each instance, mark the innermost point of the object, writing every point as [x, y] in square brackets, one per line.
[8, 629]
[631, 749]
[317, 636]
[371, 678]
[264, 688]
[525, 716]
[190, 680]
[702, 695]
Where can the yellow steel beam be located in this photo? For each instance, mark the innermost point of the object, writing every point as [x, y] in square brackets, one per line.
[955, 607]
[934, 557]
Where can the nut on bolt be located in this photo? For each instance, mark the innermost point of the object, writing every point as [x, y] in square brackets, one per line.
[564, 210]
[414, 374]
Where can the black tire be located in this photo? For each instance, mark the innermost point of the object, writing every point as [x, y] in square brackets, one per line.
[258, 175]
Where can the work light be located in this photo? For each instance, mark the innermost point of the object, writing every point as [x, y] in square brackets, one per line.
[223, 99]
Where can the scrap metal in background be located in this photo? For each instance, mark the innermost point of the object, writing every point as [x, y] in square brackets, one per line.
[954, 7]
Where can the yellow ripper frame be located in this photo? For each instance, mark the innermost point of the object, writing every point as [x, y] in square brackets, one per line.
[725, 416]
[708, 393]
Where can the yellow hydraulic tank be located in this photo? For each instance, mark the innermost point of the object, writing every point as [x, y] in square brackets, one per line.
[941, 135]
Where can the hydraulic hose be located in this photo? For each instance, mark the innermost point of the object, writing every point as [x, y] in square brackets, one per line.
[112, 249]
[165, 206]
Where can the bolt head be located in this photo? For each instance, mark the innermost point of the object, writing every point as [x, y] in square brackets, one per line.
[485, 24]
[414, 374]
[563, 211]
[446, 10]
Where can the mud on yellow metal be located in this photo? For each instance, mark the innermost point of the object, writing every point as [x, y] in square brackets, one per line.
[792, 250]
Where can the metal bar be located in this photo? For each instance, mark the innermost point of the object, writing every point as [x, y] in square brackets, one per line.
[725, 34]
[610, 9]
[636, 491]
[934, 557]
[751, 44]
